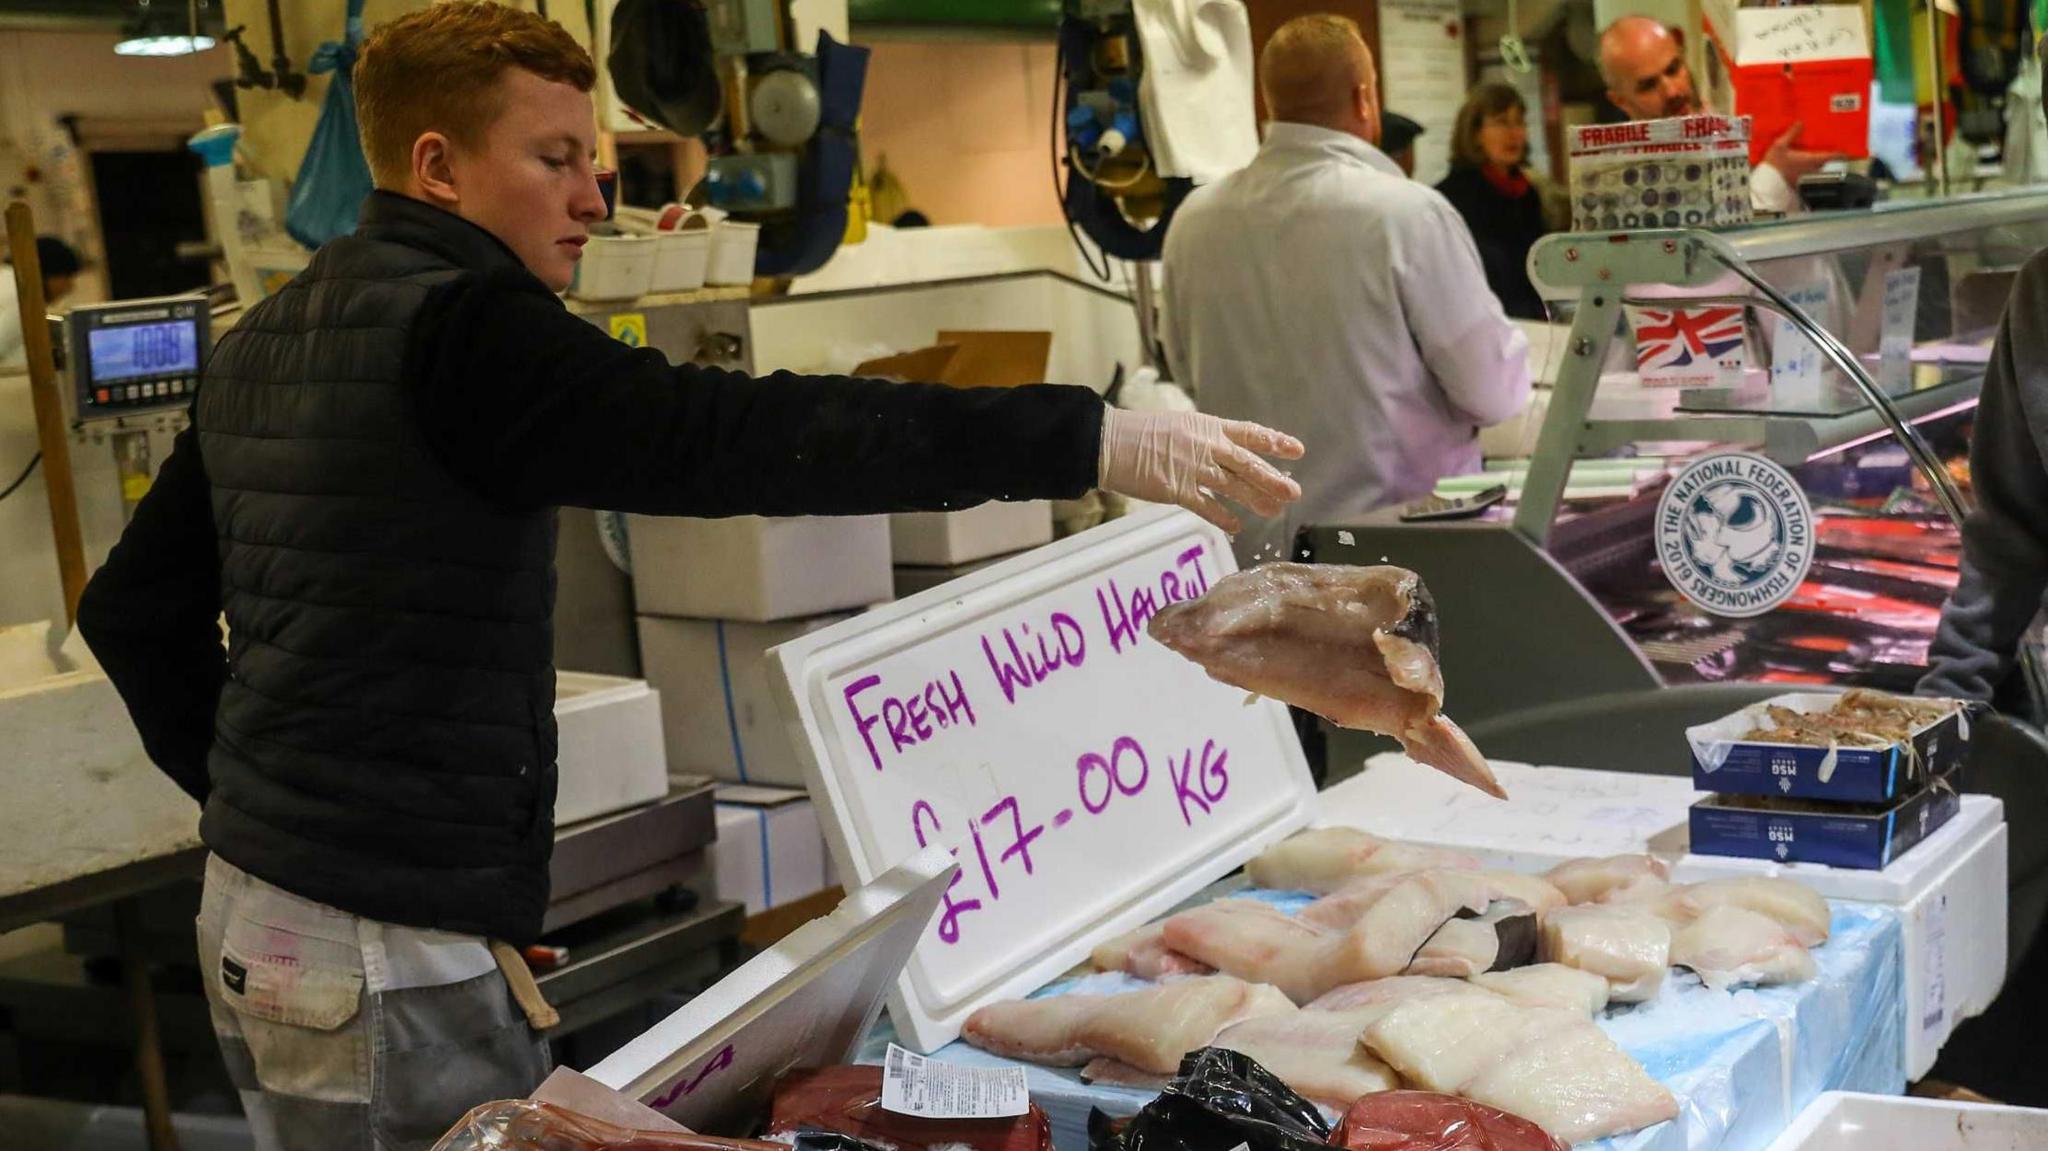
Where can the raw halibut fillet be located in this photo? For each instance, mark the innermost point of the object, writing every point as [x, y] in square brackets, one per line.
[1442, 1042]
[1548, 985]
[1355, 645]
[1252, 940]
[1317, 1053]
[1144, 953]
[1629, 947]
[1149, 1029]
[1326, 860]
[1348, 904]
[1540, 894]
[1504, 937]
[1730, 945]
[1256, 941]
[1795, 906]
[1377, 995]
[1321, 859]
[1577, 1085]
[1613, 879]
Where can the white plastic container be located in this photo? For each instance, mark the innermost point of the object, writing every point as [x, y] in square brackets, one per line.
[757, 569]
[610, 755]
[732, 252]
[615, 268]
[1845, 1121]
[941, 539]
[681, 260]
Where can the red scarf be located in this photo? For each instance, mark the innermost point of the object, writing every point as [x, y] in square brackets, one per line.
[1510, 183]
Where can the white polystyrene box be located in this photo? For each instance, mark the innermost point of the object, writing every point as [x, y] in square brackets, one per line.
[609, 755]
[718, 711]
[1950, 889]
[941, 539]
[770, 850]
[1846, 1121]
[756, 569]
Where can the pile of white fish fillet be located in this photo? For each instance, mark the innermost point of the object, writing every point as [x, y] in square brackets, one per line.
[1393, 978]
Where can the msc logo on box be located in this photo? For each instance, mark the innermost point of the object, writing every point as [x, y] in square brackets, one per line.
[1846, 102]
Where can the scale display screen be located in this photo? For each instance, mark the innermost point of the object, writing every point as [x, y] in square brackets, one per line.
[128, 353]
[134, 356]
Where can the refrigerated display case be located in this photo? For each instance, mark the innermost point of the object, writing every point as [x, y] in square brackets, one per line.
[1559, 595]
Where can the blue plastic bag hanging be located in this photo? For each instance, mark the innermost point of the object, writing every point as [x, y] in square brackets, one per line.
[334, 179]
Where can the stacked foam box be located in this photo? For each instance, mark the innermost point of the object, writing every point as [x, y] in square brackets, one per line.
[712, 597]
[1682, 172]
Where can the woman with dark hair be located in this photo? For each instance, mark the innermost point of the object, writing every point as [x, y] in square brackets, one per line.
[1490, 188]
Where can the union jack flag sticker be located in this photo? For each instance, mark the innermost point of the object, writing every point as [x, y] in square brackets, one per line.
[1688, 345]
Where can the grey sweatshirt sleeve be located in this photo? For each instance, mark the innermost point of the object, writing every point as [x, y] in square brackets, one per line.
[2005, 540]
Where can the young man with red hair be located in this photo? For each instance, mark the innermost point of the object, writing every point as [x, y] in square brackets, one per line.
[369, 488]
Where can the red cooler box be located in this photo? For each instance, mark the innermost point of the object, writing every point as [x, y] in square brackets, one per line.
[1779, 66]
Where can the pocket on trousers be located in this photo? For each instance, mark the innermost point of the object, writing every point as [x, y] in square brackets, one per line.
[295, 998]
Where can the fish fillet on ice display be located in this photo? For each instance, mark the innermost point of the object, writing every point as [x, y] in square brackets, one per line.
[1148, 1029]
[1728, 946]
[1318, 1053]
[1442, 1042]
[1355, 645]
[1577, 1085]
[1795, 906]
[1502, 938]
[1540, 894]
[1256, 941]
[1321, 860]
[1553, 1066]
[1612, 879]
[1628, 946]
[1548, 985]
[1144, 953]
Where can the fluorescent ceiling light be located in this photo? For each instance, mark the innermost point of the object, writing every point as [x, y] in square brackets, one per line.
[163, 45]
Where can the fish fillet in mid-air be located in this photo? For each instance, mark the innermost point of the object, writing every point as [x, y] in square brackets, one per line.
[1148, 1029]
[1355, 645]
[1627, 946]
[1728, 946]
[1795, 906]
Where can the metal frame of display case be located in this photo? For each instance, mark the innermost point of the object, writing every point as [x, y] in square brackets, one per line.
[1602, 268]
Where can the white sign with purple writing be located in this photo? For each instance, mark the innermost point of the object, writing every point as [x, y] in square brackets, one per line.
[1086, 778]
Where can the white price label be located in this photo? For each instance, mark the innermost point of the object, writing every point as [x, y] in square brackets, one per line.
[916, 1086]
[1795, 362]
[1934, 976]
[1895, 345]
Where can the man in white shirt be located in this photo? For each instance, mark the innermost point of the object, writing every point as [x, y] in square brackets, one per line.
[60, 273]
[1643, 62]
[1321, 290]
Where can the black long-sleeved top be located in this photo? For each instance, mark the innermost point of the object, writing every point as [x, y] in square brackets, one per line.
[1504, 228]
[533, 407]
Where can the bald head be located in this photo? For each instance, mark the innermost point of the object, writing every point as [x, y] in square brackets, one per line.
[1317, 70]
[1643, 62]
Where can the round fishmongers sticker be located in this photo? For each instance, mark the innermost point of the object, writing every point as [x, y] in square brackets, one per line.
[1735, 534]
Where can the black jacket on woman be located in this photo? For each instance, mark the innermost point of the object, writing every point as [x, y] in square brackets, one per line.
[1504, 229]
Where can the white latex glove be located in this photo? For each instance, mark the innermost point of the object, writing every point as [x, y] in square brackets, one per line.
[1197, 461]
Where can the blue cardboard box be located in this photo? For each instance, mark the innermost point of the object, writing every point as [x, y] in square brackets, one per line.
[1866, 837]
[1725, 762]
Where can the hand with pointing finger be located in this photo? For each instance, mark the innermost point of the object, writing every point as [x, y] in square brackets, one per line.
[1792, 162]
[1197, 461]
